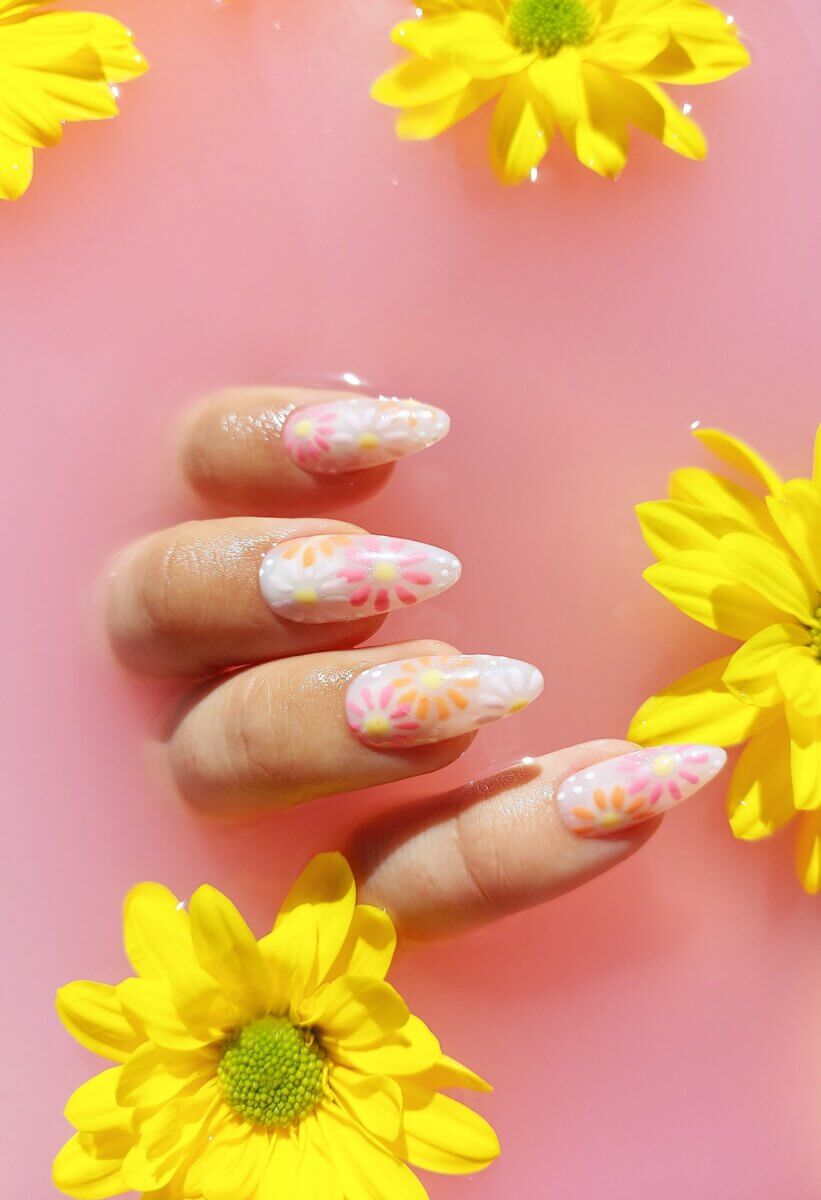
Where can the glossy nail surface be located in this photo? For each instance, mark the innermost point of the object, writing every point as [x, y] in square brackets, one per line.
[356, 432]
[339, 577]
[420, 700]
[634, 787]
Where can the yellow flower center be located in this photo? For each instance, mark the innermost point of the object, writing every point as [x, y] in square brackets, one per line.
[547, 25]
[304, 428]
[376, 726]
[433, 678]
[385, 572]
[272, 1072]
[306, 595]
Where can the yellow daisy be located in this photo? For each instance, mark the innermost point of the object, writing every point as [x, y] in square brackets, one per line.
[747, 562]
[592, 68]
[54, 67]
[251, 1069]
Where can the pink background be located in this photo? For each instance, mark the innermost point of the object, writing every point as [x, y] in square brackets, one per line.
[250, 217]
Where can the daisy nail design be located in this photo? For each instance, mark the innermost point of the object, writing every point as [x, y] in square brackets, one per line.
[339, 577]
[633, 787]
[356, 432]
[422, 700]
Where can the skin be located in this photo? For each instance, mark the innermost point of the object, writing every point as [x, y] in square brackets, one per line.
[262, 693]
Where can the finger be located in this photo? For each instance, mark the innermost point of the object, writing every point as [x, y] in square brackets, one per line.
[524, 836]
[277, 735]
[298, 450]
[214, 594]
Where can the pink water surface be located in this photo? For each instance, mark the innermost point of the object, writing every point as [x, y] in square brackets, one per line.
[249, 217]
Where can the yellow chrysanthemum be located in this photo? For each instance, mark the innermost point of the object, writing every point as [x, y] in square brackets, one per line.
[590, 67]
[253, 1069]
[54, 67]
[747, 563]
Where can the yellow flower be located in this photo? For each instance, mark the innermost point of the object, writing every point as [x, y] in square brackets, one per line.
[253, 1069]
[747, 562]
[54, 67]
[589, 67]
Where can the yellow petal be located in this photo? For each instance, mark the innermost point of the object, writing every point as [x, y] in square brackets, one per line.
[367, 1171]
[693, 485]
[93, 1106]
[646, 106]
[88, 1166]
[759, 798]
[156, 930]
[417, 81]
[409, 1051]
[228, 951]
[805, 759]
[168, 1131]
[669, 526]
[471, 41]
[236, 1169]
[808, 852]
[752, 672]
[704, 47]
[697, 708]
[150, 1003]
[356, 1011]
[796, 510]
[16, 166]
[448, 1073]
[601, 137]
[521, 131]
[374, 1101]
[799, 677]
[154, 1075]
[289, 953]
[93, 1014]
[429, 120]
[626, 48]
[318, 1174]
[369, 946]
[740, 456]
[440, 1134]
[327, 888]
[559, 80]
[701, 584]
[770, 571]
[284, 1175]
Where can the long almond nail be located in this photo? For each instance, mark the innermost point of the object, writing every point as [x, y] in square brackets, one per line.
[634, 787]
[356, 432]
[421, 700]
[339, 577]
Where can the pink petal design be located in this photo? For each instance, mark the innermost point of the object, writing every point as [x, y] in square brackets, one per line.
[382, 600]
[638, 785]
[355, 709]
[690, 776]
[695, 758]
[367, 696]
[385, 695]
[423, 578]
[675, 790]
[411, 559]
[359, 597]
[351, 574]
[655, 793]
[322, 443]
[406, 596]
[407, 725]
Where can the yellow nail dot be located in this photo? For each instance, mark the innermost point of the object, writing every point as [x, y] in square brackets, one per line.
[664, 764]
[518, 705]
[304, 429]
[368, 440]
[385, 572]
[306, 595]
[609, 820]
[432, 678]
[376, 726]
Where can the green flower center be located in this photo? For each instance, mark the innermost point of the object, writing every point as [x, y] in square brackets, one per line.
[547, 25]
[815, 634]
[272, 1072]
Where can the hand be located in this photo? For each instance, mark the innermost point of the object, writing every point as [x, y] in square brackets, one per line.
[270, 610]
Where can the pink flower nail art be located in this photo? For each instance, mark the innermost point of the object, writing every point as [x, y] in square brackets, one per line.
[356, 432]
[421, 700]
[634, 787]
[339, 577]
